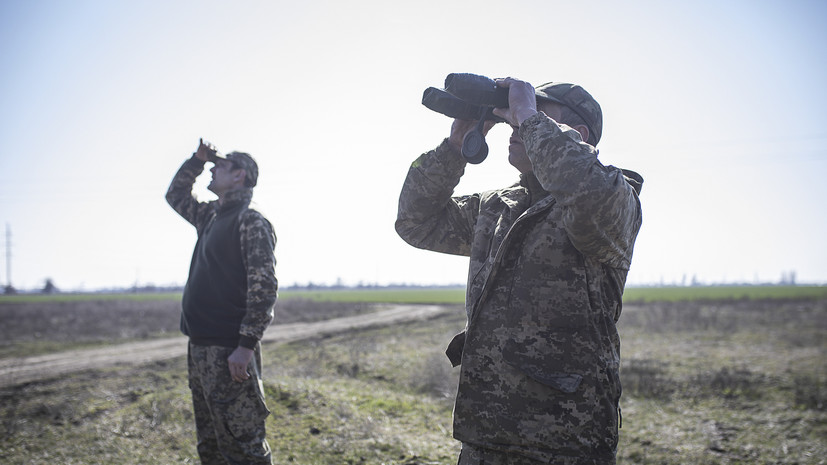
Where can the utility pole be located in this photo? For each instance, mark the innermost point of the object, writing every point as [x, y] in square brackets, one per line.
[8, 289]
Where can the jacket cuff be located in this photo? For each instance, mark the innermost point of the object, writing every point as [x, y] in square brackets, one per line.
[537, 120]
[195, 161]
[248, 342]
[450, 157]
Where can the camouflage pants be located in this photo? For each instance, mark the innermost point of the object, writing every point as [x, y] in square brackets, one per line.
[229, 416]
[473, 455]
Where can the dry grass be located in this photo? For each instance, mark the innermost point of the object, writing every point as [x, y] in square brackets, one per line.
[729, 382]
[733, 382]
[30, 328]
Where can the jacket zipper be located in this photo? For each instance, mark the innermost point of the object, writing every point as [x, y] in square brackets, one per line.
[500, 251]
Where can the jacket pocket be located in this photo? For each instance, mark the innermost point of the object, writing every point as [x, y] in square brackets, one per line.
[242, 410]
[564, 382]
[540, 372]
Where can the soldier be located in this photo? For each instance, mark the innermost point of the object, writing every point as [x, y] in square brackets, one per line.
[227, 304]
[540, 354]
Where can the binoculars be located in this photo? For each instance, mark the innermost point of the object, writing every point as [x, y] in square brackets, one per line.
[469, 97]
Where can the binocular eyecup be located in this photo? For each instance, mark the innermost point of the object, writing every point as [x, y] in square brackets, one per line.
[469, 97]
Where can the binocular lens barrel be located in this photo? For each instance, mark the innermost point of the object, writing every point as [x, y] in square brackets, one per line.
[468, 97]
[476, 89]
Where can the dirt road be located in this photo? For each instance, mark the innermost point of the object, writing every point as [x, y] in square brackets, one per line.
[15, 371]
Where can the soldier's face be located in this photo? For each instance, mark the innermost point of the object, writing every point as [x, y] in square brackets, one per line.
[224, 177]
[516, 149]
[516, 152]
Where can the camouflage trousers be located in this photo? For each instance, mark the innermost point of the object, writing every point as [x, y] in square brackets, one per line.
[229, 416]
[473, 455]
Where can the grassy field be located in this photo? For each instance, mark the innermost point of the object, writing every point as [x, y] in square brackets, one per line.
[730, 381]
[381, 295]
[632, 294]
[33, 325]
[450, 295]
[682, 294]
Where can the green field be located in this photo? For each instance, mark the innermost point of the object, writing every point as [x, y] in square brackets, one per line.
[89, 297]
[678, 294]
[632, 294]
[381, 295]
[425, 295]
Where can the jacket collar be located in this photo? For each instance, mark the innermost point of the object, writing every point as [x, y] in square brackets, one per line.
[532, 185]
[234, 198]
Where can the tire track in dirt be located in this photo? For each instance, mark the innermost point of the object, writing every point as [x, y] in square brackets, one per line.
[21, 370]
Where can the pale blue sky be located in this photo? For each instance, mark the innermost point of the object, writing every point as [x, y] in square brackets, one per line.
[721, 106]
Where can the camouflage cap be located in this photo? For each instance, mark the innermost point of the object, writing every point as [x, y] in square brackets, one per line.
[240, 160]
[579, 101]
[245, 162]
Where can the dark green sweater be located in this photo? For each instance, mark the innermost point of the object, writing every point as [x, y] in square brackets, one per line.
[215, 296]
[232, 285]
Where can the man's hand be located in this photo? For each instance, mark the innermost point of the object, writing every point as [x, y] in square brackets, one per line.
[239, 360]
[206, 151]
[522, 101]
[460, 128]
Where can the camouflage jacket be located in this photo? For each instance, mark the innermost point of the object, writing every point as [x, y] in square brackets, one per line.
[252, 310]
[548, 262]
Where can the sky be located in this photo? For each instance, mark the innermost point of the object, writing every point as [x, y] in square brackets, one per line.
[720, 105]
